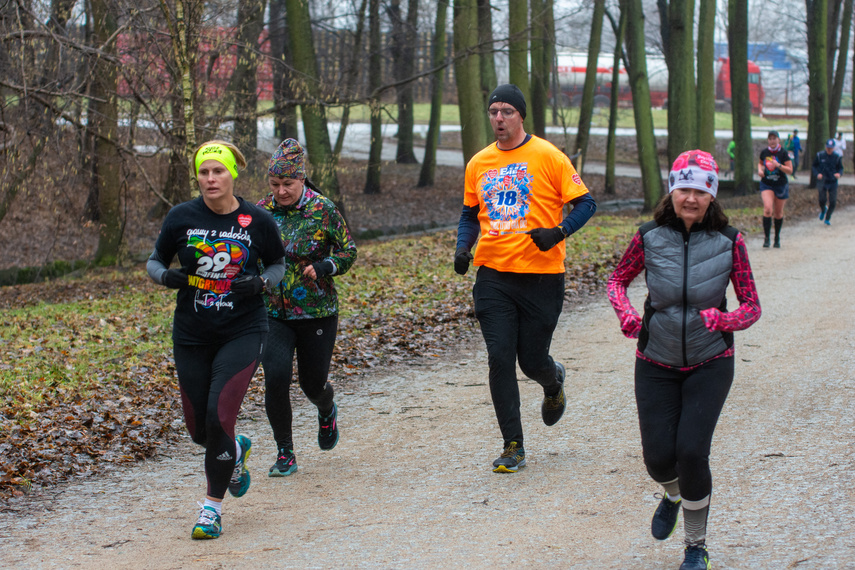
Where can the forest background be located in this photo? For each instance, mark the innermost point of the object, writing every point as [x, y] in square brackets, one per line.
[103, 102]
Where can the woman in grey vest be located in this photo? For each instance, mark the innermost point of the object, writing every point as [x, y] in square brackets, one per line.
[684, 359]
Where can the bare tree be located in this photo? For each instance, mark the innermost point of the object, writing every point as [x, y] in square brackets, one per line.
[518, 51]
[372, 178]
[404, 37]
[705, 102]
[737, 41]
[466, 69]
[817, 35]
[836, 90]
[244, 81]
[651, 177]
[586, 110]
[428, 170]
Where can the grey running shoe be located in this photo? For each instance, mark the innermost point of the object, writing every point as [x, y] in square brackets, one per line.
[553, 406]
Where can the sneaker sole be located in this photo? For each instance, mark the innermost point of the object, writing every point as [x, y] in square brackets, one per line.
[331, 446]
[246, 453]
[277, 473]
[503, 469]
[200, 534]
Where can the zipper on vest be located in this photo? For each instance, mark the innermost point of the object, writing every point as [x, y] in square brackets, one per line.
[686, 237]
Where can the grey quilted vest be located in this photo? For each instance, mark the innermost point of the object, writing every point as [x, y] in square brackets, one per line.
[686, 272]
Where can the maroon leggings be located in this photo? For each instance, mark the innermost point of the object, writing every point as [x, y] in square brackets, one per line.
[213, 380]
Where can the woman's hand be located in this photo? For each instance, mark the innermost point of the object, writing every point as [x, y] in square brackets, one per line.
[309, 271]
[630, 325]
[711, 317]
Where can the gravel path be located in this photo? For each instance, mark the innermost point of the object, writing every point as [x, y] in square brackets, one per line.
[409, 485]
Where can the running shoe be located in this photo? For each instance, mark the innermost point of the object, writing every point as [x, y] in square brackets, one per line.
[665, 518]
[696, 558]
[328, 430]
[209, 525]
[285, 464]
[827, 222]
[553, 406]
[512, 458]
[239, 484]
[822, 213]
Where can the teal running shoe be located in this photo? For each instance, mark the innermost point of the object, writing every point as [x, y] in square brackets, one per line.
[286, 464]
[239, 484]
[209, 525]
[328, 430]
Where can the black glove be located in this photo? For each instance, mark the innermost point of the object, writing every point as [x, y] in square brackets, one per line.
[323, 268]
[546, 238]
[175, 278]
[462, 257]
[248, 285]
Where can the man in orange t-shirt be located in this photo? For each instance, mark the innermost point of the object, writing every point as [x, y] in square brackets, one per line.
[515, 194]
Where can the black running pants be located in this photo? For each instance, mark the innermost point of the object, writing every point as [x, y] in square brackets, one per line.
[313, 340]
[213, 379]
[518, 313]
[677, 412]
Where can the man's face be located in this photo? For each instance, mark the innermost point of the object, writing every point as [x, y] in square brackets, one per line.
[773, 141]
[507, 124]
[829, 149]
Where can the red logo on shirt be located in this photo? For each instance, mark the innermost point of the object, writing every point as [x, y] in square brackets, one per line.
[244, 220]
[577, 179]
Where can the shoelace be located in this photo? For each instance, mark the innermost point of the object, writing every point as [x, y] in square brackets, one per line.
[554, 401]
[511, 451]
[206, 516]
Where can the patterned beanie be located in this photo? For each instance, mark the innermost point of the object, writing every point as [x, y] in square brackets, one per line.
[694, 169]
[288, 161]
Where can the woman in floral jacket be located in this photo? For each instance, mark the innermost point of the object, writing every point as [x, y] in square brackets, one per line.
[303, 309]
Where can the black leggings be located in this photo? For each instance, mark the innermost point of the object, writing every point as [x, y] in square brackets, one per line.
[314, 341]
[678, 412]
[213, 380]
[518, 313]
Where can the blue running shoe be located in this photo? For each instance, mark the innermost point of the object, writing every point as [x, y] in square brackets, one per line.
[696, 558]
[285, 464]
[665, 518]
[827, 222]
[239, 484]
[209, 525]
[328, 430]
[822, 213]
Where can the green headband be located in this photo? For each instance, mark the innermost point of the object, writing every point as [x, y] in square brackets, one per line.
[219, 153]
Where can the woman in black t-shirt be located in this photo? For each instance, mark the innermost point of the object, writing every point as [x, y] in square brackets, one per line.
[773, 167]
[220, 323]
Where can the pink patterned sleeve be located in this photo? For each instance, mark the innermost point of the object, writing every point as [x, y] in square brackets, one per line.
[629, 267]
[748, 311]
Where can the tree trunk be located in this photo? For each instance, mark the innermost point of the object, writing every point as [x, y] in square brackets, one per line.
[428, 170]
[817, 34]
[518, 52]
[833, 22]
[351, 76]
[682, 115]
[404, 38]
[375, 80]
[466, 69]
[586, 110]
[486, 62]
[285, 116]
[611, 140]
[651, 176]
[244, 82]
[836, 94]
[104, 122]
[745, 163]
[541, 40]
[318, 147]
[706, 76]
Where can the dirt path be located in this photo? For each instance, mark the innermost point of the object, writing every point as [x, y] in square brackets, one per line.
[409, 485]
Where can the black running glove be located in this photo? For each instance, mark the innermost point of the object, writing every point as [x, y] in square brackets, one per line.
[248, 285]
[323, 268]
[175, 278]
[462, 257]
[546, 238]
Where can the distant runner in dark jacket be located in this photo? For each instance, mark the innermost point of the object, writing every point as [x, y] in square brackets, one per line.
[828, 167]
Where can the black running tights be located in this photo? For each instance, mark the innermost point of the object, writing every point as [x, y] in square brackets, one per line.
[677, 413]
[314, 341]
[213, 380]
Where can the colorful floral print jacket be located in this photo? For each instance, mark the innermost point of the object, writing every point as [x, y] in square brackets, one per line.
[312, 230]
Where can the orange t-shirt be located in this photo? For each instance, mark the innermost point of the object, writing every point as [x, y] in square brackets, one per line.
[519, 190]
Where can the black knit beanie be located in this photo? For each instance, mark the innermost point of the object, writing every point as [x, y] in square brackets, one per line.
[510, 94]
